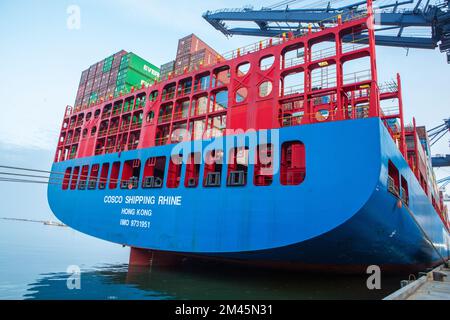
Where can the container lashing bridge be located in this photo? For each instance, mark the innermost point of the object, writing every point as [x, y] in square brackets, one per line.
[395, 21]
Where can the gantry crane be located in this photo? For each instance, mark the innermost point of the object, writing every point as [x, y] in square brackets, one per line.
[393, 20]
[435, 135]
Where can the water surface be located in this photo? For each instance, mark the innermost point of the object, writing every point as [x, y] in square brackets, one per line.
[34, 259]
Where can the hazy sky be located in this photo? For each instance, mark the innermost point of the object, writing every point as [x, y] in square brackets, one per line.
[42, 59]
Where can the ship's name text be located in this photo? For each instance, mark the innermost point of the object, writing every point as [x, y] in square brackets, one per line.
[152, 200]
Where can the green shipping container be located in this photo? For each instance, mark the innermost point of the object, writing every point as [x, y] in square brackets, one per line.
[133, 79]
[136, 63]
[107, 65]
[93, 97]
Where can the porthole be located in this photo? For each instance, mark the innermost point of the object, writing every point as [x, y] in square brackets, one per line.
[265, 89]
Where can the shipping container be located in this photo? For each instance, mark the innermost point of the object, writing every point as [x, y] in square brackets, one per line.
[132, 61]
[191, 44]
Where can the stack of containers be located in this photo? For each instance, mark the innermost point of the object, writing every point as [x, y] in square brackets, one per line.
[135, 72]
[193, 52]
[167, 70]
[113, 75]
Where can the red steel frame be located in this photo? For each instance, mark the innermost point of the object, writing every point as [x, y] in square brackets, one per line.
[111, 130]
[341, 101]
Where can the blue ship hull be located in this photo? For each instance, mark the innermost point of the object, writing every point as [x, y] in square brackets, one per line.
[341, 218]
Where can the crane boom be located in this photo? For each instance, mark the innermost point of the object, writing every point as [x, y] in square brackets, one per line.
[393, 17]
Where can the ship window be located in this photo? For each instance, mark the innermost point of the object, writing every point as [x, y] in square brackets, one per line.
[221, 76]
[174, 172]
[66, 180]
[216, 126]
[213, 168]
[199, 106]
[192, 170]
[293, 168]
[405, 191]
[150, 117]
[219, 101]
[85, 132]
[266, 62]
[165, 113]
[154, 173]
[129, 104]
[103, 176]
[168, 92]
[293, 83]
[241, 94]
[93, 131]
[264, 165]
[83, 177]
[202, 82]
[88, 116]
[293, 56]
[117, 109]
[74, 181]
[97, 113]
[393, 179]
[114, 175]
[197, 129]
[237, 167]
[265, 89]
[130, 174]
[93, 177]
[153, 96]
[243, 69]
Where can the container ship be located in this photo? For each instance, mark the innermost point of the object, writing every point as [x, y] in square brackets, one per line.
[286, 153]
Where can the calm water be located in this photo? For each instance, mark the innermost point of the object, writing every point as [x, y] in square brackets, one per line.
[34, 259]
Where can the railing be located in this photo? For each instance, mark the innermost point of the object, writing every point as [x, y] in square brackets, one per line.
[392, 188]
[125, 127]
[294, 62]
[254, 47]
[133, 145]
[113, 130]
[136, 126]
[116, 112]
[180, 115]
[388, 87]
[405, 197]
[132, 183]
[110, 149]
[358, 76]
[323, 53]
[102, 133]
[200, 87]
[354, 45]
[164, 118]
[390, 111]
[184, 91]
[106, 115]
[168, 95]
[161, 141]
[289, 91]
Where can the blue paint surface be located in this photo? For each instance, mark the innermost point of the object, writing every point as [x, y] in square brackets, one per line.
[342, 214]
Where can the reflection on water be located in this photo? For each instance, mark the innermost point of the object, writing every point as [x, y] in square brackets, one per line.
[204, 281]
[34, 259]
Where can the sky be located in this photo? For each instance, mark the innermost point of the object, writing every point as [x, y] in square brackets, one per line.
[42, 59]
